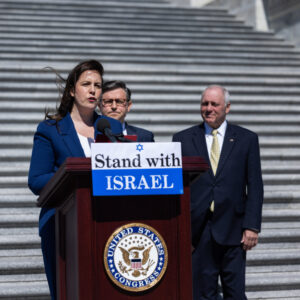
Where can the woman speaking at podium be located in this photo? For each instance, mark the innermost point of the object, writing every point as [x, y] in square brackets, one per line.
[66, 133]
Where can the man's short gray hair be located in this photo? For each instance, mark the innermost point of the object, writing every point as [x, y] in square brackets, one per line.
[225, 92]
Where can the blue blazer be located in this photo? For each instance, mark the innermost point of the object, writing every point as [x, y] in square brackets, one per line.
[53, 143]
[237, 188]
[143, 135]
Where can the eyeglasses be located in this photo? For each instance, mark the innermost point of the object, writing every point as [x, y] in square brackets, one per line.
[119, 102]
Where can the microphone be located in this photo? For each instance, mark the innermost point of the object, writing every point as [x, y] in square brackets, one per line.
[103, 126]
[122, 139]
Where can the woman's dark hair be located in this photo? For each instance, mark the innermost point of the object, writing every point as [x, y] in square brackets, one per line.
[67, 101]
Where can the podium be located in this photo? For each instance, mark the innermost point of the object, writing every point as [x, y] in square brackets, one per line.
[84, 224]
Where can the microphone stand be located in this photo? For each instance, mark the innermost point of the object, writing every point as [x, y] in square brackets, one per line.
[122, 139]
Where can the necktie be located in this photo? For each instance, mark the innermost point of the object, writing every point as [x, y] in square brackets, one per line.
[214, 158]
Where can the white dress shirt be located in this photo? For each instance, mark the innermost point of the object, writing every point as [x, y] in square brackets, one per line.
[220, 135]
[86, 144]
[124, 129]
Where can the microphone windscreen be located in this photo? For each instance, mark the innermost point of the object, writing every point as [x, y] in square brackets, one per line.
[103, 124]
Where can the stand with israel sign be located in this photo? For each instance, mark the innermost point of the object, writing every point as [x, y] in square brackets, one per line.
[136, 169]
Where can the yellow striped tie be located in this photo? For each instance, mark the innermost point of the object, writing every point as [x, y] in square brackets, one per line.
[214, 157]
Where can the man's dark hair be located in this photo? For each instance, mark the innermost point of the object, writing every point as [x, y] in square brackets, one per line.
[116, 84]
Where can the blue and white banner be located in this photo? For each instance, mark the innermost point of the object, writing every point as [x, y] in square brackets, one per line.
[136, 169]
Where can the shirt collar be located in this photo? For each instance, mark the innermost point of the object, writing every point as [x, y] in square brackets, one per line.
[221, 129]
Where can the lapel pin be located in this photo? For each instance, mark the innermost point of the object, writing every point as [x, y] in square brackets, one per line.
[231, 140]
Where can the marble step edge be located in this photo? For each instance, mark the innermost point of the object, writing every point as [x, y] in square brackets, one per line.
[260, 267]
[270, 175]
[127, 68]
[36, 109]
[159, 17]
[10, 258]
[272, 237]
[269, 258]
[114, 3]
[274, 295]
[20, 242]
[37, 102]
[132, 29]
[280, 180]
[253, 283]
[189, 118]
[27, 220]
[35, 290]
[23, 278]
[118, 45]
[56, 59]
[236, 116]
[39, 291]
[133, 71]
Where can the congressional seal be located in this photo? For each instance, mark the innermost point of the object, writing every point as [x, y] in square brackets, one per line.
[135, 257]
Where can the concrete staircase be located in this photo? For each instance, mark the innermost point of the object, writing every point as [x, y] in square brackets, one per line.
[167, 55]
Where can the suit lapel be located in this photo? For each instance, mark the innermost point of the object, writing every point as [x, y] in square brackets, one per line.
[200, 142]
[228, 143]
[129, 130]
[70, 137]
[132, 131]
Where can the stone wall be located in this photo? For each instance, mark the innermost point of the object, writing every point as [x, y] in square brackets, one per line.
[281, 16]
[252, 12]
[284, 18]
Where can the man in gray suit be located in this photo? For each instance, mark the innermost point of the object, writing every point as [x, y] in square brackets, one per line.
[116, 103]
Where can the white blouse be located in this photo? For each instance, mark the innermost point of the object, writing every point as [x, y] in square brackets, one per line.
[86, 144]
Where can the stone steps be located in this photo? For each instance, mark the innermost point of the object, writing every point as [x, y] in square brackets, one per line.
[21, 181]
[266, 153]
[163, 37]
[36, 67]
[30, 23]
[120, 69]
[163, 132]
[267, 89]
[48, 99]
[26, 289]
[45, 77]
[271, 295]
[264, 281]
[225, 49]
[255, 86]
[35, 112]
[9, 120]
[18, 201]
[167, 55]
[148, 55]
[22, 241]
[22, 265]
[54, 58]
[59, 25]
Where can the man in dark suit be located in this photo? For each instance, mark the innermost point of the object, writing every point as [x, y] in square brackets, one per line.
[226, 201]
[116, 103]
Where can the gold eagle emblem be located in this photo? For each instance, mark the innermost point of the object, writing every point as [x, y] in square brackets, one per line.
[136, 258]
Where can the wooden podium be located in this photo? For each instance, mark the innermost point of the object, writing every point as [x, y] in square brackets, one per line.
[84, 224]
